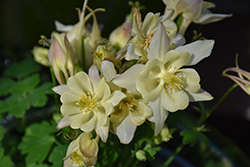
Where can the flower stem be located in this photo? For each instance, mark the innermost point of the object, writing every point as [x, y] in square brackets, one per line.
[204, 117]
[53, 78]
[172, 157]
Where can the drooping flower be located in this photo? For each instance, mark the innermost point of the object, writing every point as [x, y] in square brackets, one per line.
[142, 33]
[82, 151]
[163, 82]
[41, 55]
[192, 11]
[87, 103]
[243, 78]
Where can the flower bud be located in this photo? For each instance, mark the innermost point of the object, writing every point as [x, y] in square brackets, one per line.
[141, 155]
[41, 55]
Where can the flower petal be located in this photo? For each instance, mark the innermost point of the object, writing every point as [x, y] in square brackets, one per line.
[125, 130]
[198, 50]
[201, 95]
[65, 121]
[61, 89]
[128, 78]
[208, 17]
[159, 44]
[159, 115]
[173, 101]
[108, 70]
[94, 75]
[192, 79]
[116, 97]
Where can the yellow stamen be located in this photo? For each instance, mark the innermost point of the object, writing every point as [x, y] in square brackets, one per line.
[86, 102]
[172, 81]
[147, 40]
[76, 158]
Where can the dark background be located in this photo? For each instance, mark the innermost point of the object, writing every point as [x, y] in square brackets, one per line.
[23, 21]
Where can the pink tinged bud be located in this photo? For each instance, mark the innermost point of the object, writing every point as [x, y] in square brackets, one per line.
[121, 35]
[57, 60]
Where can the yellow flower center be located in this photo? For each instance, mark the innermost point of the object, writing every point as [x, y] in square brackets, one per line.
[128, 104]
[99, 55]
[86, 102]
[76, 158]
[172, 81]
[148, 39]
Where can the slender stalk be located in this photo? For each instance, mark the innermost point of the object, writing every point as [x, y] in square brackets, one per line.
[204, 117]
[53, 78]
[172, 157]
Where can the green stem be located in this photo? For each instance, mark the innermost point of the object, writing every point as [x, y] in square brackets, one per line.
[204, 117]
[54, 82]
[172, 157]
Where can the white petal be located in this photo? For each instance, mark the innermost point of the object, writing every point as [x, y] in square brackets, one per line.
[175, 100]
[178, 40]
[201, 95]
[159, 44]
[61, 27]
[192, 79]
[208, 17]
[65, 121]
[159, 115]
[108, 70]
[130, 54]
[116, 97]
[199, 50]
[125, 130]
[103, 131]
[61, 89]
[128, 78]
[94, 75]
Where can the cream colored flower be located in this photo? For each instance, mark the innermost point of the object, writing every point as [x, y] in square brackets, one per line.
[192, 11]
[87, 103]
[82, 151]
[142, 33]
[163, 82]
[132, 111]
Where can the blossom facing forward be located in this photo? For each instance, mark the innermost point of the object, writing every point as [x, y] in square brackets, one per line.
[87, 103]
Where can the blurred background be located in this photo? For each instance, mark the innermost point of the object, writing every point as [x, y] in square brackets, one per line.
[23, 21]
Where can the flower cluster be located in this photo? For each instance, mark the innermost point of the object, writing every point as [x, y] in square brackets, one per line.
[140, 73]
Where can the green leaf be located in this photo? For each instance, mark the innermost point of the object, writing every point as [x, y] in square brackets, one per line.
[37, 165]
[187, 122]
[37, 142]
[46, 88]
[1, 132]
[5, 85]
[189, 137]
[23, 86]
[3, 107]
[24, 68]
[57, 155]
[6, 161]
[204, 138]
[17, 105]
[37, 98]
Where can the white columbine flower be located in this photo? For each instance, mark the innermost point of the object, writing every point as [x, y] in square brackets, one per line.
[87, 103]
[142, 33]
[192, 11]
[163, 82]
[132, 111]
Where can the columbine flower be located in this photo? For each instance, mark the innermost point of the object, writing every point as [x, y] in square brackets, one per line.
[142, 33]
[192, 11]
[163, 82]
[82, 151]
[132, 111]
[87, 103]
[243, 79]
